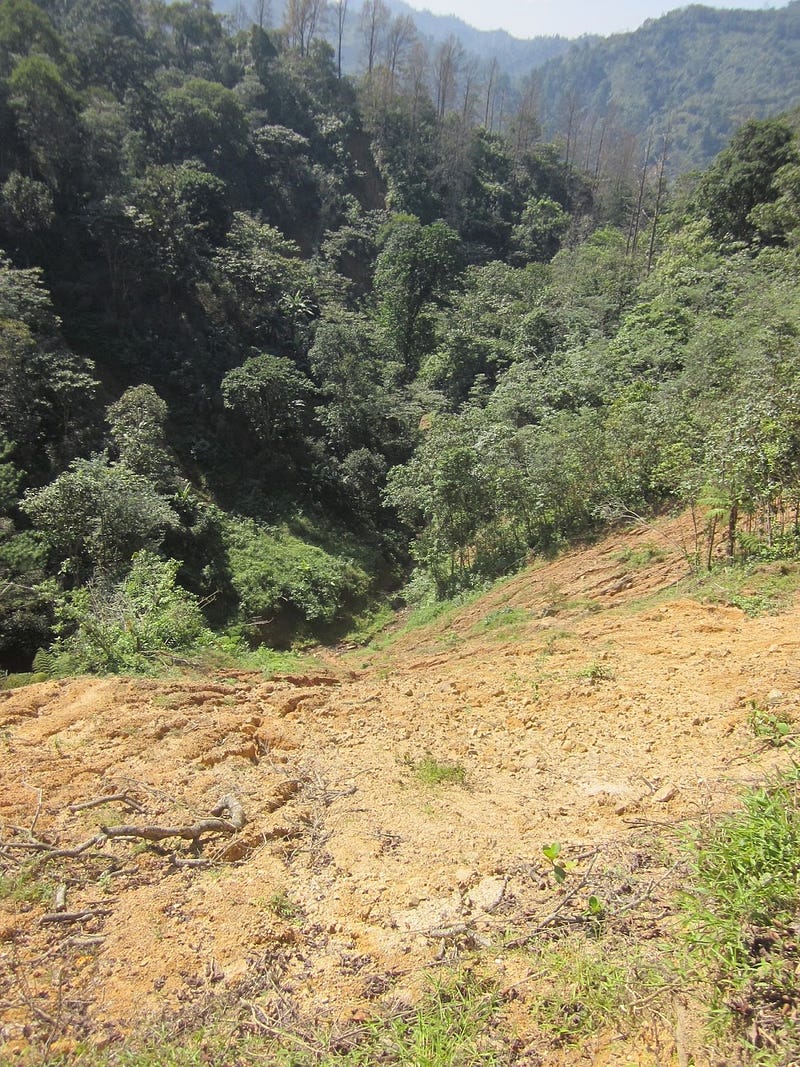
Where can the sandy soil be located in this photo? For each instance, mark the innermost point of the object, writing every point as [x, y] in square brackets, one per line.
[586, 705]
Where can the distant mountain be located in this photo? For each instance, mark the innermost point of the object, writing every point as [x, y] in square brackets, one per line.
[697, 72]
[516, 57]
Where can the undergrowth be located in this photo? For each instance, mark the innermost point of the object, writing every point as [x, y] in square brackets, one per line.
[741, 923]
[451, 1026]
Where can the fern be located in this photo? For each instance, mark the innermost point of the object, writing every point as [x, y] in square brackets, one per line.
[46, 662]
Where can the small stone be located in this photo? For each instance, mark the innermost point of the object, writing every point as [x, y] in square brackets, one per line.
[665, 794]
[463, 876]
[487, 894]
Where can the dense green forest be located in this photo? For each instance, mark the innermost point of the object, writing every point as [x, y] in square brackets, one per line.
[276, 341]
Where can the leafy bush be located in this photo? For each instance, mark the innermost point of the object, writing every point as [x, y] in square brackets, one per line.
[97, 514]
[275, 572]
[133, 625]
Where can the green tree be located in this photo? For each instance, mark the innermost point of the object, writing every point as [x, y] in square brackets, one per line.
[24, 30]
[45, 109]
[46, 391]
[255, 270]
[205, 121]
[174, 218]
[538, 234]
[743, 176]
[137, 422]
[96, 515]
[415, 270]
[268, 395]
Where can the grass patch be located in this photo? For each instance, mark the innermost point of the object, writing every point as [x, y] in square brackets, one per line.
[741, 913]
[26, 887]
[450, 1027]
[272, 662]
[430, 772]
[502, 623]
[18, 681]
[585, 989]
[437, 611]
[757, 589]
[635, 558]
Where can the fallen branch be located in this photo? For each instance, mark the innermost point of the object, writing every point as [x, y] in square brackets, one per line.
[179, 862]
[235, 811]
[161, 833]
[72, 853]
[192, 832]
[30, 846]
[67, 916]
[98, 802]
[38, 808]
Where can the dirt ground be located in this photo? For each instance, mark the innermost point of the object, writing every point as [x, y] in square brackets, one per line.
[580, 702]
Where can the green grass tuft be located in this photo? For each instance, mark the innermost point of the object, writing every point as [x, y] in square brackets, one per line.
[430, 772]
[741, 913]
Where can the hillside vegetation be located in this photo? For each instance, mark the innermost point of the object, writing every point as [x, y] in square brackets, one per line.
[695, 75]
[400, 513]
[275, 342]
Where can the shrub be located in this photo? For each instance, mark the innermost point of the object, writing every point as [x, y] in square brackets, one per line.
[275, 572]
[128, 626]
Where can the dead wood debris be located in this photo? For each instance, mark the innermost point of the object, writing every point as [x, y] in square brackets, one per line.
[122, 798]
[189, 832]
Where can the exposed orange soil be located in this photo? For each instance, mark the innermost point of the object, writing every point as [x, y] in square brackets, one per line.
[579, 716]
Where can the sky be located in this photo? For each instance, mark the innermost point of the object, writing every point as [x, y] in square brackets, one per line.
[570, 18]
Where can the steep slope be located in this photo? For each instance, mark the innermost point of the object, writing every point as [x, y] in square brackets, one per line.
[585, 702]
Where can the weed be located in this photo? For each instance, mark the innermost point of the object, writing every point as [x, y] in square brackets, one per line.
[740, 915]
[586, 990]
[105, 883]
[774, 727]
[553, 637]
[25, 887]
[596, 672]
[283, 906]
[429, 772]
[551, 854]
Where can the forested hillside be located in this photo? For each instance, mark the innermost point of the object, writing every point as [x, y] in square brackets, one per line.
[275, 340]
[696, 74]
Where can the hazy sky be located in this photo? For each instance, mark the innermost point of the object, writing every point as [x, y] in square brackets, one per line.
[570, 18]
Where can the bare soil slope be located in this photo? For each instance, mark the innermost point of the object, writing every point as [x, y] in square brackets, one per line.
[583, 706]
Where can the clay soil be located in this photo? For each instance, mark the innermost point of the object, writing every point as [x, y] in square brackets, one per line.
[585, 701]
